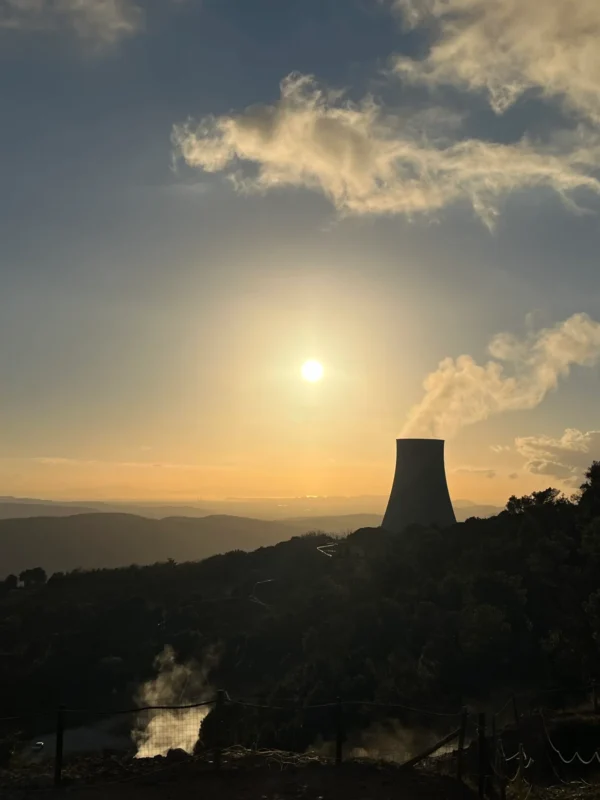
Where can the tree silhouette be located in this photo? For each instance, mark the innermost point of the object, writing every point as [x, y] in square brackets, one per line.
[11, 582]
[33, 577]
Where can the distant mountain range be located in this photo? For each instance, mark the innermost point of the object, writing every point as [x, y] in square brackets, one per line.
[92, 541]
[320, 511]
[61, 537]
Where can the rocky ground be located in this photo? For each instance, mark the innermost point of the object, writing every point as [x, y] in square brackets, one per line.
[265, 776]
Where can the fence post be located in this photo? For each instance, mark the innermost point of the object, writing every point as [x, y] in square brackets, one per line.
[481, 754]
[460, 754]
[595, 696]
[521, 772]
[493, 758]
[58, 755]
[339, 731]
[515, 710]
[219, 706]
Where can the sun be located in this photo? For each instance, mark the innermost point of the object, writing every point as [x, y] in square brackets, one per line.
[312, 371]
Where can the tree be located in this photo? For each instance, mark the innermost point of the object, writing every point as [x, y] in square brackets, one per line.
[11, 582]
[33, 577]
[590, 491]
[547, 497]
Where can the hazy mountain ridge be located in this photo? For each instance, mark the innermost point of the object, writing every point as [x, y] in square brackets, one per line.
[16, 510]
[91, 541]
[343, 513]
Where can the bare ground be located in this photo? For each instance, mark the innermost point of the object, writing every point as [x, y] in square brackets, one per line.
[266, 777]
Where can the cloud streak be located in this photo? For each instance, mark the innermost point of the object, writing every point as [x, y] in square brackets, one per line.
[482, 471]
[368, 160]
[100, 22]
[505, 48]
[57, 461]
[519, 375]
[565, 458]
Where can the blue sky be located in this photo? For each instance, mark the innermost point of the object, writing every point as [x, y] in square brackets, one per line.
[154, 314]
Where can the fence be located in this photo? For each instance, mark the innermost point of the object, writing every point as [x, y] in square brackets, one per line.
[492, 749]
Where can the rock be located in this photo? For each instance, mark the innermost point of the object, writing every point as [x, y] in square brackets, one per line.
[178, 755]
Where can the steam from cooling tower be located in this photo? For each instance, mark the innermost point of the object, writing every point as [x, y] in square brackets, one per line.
[461, 392]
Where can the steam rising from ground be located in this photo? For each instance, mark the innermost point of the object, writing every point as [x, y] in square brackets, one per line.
[461, 392]
[157, 732]
[386, 740]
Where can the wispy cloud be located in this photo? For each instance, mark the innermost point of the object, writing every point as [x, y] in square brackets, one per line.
[565, 458]
[370, 160]
[505, 48]
[461, 392]
[482, 471]
[54, 461]
[99, 22]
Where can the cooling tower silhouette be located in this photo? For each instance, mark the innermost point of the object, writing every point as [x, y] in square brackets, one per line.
[420, 493]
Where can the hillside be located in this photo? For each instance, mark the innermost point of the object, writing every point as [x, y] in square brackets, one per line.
[15, 510]
[430, 618]
[68, 539]
[326, 513]
[93, 541]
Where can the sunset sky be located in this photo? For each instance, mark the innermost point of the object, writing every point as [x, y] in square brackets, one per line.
[201, 195]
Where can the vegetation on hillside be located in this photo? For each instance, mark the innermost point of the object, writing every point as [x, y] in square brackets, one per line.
[429, 617]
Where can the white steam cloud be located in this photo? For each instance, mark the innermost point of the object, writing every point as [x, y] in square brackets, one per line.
[176, 684]
[369, 160]
[461, 392]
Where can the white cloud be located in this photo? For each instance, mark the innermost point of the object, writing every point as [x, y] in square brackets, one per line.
[566, 458]
[101, 22]
[507, 47]
[461, 392]
[367, 160]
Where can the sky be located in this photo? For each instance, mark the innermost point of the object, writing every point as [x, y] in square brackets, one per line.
[200, 195]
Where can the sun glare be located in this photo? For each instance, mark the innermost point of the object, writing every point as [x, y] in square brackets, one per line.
[312, 371]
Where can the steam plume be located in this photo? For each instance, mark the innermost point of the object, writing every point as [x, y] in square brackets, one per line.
[461, 392]
[157, 732]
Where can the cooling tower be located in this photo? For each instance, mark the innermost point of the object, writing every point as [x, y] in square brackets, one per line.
[420, 493]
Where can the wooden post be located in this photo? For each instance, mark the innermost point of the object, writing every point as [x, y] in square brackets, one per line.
[339, 731]
[493, 757]
[219, 706]
[460, 753]
[58, 755]
[481, 754]
[499, 766]
[521, 773]
[595, 696]
[515, 710]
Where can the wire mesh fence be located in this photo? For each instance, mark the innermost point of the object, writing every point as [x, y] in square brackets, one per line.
[45, 748]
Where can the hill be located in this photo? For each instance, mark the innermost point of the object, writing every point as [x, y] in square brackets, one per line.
[66, 537]
[342, 523]
[94, 541]
[428, 618]
[333, 517]
[16, 510]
